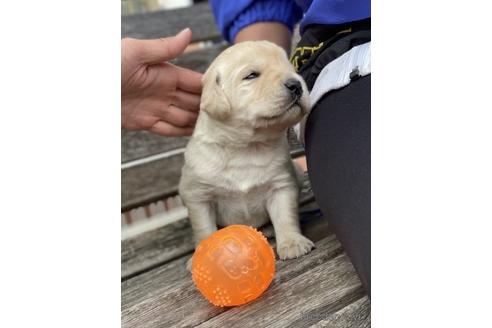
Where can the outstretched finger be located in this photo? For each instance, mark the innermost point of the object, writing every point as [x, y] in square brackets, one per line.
[186, 100]
[165, 129]
[164, 49]
[189, 80]
[178, 116]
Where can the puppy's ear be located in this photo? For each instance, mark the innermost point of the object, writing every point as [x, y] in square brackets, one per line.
[214, 101]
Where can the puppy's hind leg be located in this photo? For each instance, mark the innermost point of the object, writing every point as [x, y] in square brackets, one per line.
[203, 218]
[282, 208]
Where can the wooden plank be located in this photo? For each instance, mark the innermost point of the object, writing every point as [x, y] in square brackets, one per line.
[154, 283]
[355, 315]
[140, 144]
[325, 289]
[150, 182]
[165, 23]
[151, 249]
[148, 300]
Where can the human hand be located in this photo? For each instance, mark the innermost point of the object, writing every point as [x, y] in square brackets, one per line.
[155, 95]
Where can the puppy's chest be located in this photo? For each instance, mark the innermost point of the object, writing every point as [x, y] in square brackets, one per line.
[244, 180]
[247, 174]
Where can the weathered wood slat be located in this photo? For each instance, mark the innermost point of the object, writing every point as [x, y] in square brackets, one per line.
[154, 248]
[140, 144]
[154, 282]
[169, 22]
[180, 304]
[150, 182]
[324, 289]
[355, 315]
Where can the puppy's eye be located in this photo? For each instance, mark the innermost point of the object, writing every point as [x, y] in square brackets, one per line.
[251, 76]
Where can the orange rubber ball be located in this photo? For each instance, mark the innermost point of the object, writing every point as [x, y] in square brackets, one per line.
[233, 266]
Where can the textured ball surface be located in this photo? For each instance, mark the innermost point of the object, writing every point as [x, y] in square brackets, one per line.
[233, 266]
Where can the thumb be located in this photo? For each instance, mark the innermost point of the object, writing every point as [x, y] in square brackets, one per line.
[164, 49]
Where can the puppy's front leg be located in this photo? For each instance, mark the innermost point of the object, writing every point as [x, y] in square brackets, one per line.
[282, 208]
[203, 218]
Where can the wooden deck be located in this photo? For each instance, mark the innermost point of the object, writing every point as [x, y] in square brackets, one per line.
[320, 289]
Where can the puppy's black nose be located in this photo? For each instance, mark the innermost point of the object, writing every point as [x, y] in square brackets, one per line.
[294, 87]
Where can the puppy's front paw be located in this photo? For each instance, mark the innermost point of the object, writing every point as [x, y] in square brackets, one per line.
[188, 264]
[294, 246]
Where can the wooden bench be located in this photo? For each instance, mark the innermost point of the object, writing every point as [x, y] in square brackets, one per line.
[319, 289]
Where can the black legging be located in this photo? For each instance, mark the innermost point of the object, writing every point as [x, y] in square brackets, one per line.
[338, 148]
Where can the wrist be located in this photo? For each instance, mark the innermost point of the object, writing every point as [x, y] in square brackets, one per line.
[274, 32]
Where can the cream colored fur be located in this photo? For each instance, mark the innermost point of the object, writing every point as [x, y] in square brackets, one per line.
[237, 165]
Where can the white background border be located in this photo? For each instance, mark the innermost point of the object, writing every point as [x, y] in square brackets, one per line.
[60, 164]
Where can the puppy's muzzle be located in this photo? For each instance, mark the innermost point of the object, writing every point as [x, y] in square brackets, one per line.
[294, 87]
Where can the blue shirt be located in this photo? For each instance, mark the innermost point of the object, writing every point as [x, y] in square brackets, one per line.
[233, 15]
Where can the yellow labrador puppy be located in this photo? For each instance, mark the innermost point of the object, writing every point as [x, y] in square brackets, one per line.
[237, 164]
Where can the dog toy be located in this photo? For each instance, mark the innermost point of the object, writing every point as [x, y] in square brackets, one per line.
[233, 266]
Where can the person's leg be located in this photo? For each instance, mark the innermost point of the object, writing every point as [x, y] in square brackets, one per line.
[338, 148]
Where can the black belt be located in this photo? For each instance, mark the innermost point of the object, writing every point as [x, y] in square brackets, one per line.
[321, 44]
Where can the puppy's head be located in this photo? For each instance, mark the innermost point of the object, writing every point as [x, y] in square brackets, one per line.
[253, 84]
